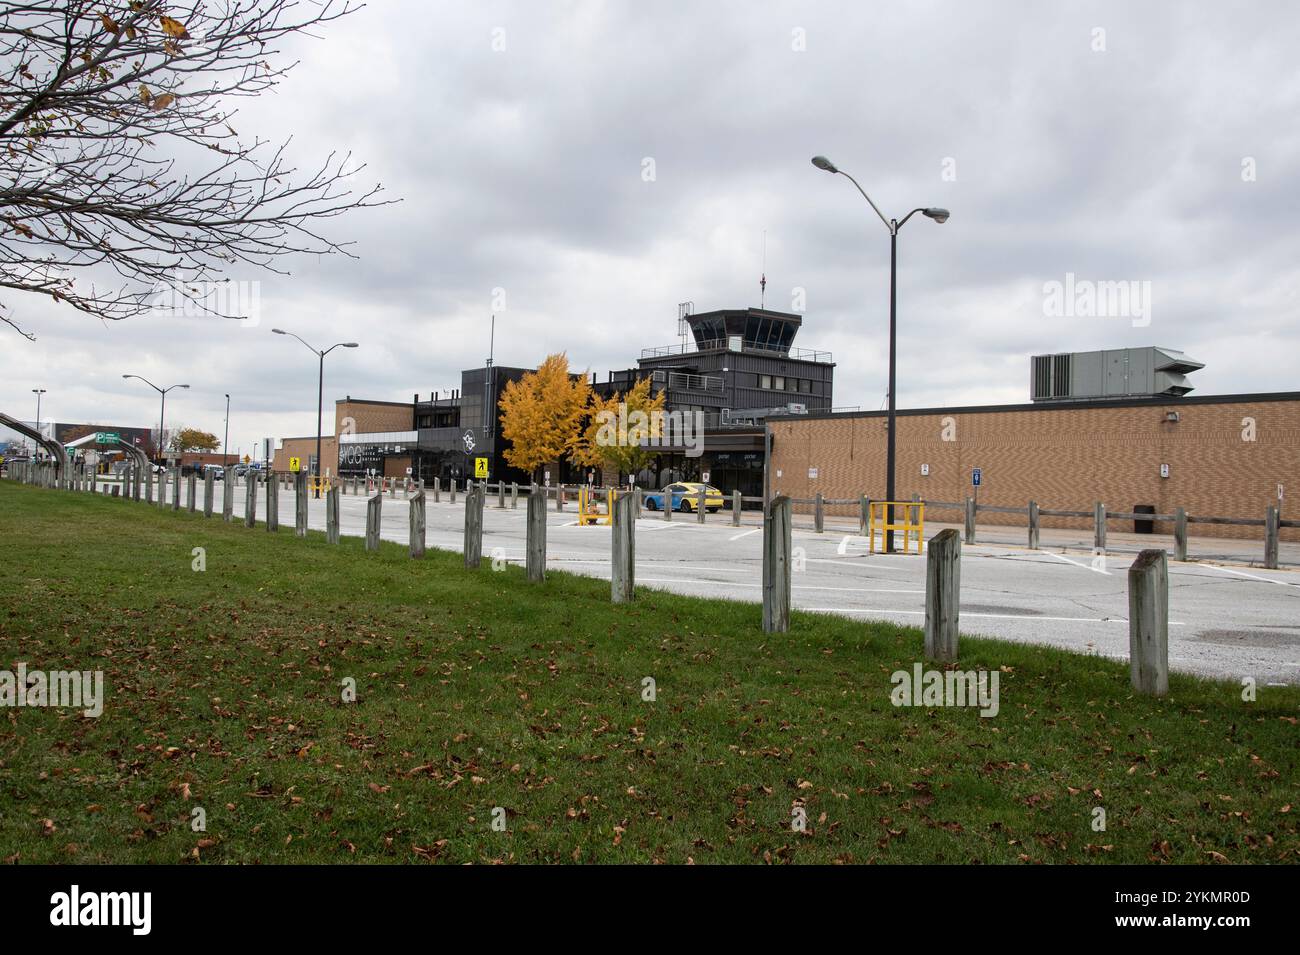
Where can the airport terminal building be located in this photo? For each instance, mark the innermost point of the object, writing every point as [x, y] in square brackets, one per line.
[1117, 427]
[735, 367]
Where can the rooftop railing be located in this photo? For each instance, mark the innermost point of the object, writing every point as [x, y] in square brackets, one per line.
[799, 354]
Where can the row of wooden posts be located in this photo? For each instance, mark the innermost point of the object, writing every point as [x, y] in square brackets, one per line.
[1271, 522]
[1148, 577]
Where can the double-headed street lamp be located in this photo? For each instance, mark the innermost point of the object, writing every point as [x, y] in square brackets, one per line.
[162, 410]
[320, 391]
[893, 225]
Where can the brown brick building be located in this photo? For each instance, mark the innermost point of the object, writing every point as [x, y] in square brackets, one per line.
[1226, 456]
[305, 449]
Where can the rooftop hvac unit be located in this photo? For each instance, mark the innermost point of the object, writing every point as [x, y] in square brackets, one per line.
[1119, 373]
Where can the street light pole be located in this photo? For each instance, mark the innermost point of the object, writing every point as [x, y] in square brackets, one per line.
[893, 225]
[320, 392]
[162, 409]
[38, 392]
[320, 403]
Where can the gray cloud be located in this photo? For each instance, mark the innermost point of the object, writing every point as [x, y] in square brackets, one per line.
[522, 170]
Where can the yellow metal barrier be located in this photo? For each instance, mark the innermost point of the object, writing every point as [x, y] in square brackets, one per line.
[589, 511]
[315, 484]
[906, 525]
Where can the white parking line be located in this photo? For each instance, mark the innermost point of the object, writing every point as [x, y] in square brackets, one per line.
[1076, 563]
[737, 537]
[1000, 616]
[1242, 573]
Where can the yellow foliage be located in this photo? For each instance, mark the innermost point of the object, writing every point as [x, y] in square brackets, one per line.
[541, 414]
[616, 427]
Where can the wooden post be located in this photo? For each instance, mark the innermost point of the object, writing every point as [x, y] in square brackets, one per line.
[776, 566]
[970, 520]
[300, 504]
[1033, 525]
[332, 514]
[191, 492]
[942, 595]
[559, 497]
[514, 495]
[1148, 623]
[864, 514]
[116, 489]
[417, 525]
[735, 508]
[374, 509]
[536, 547]
[700, 509]
[474, 526]
[392, 488]
[250, 500]
[622, 580]
[148, 483]
[273, 502]
[176, 488]
[1099, 525]
[1271, 527]
[437, 490]
[501, 494]
[636, 496]
[666, 496]
[819, 514]
[228, 497]
[208, 478]
[451, 486]
[1180, 534]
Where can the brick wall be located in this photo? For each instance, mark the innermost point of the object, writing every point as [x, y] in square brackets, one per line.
[305, 448]
[1062, 457]
[371, 416]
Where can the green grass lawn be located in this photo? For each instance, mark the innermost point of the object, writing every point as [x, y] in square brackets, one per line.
[478, 690]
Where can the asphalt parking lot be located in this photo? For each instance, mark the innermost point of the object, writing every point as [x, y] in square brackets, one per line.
[1225, 620]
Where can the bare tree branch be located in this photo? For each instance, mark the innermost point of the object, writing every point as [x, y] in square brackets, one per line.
[118, 151]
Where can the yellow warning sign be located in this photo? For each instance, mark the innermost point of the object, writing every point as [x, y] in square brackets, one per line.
[295, 464]
[480, 467]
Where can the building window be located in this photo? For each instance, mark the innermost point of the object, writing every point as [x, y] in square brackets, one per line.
[779, 383]
[765, 381]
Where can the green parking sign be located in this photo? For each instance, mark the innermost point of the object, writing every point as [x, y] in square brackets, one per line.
[107, 437]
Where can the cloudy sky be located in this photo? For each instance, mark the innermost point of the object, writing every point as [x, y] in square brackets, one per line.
[599, 163]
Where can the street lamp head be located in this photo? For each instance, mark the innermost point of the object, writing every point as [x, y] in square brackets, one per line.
[938, 215]
[182, 386]
[279, 331]
[350, 345]
[821, 162]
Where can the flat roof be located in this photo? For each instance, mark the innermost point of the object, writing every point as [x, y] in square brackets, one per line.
[1159, 401]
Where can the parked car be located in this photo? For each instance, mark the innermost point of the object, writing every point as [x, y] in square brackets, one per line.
[216, 470]
[239, 470]
[684, 496]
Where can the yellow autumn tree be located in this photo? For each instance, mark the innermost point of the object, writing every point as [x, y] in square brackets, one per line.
[617, 427]
[542, 412]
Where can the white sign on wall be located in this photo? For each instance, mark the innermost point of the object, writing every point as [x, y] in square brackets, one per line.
[812, 474]
[925, 470]
[1164, 470]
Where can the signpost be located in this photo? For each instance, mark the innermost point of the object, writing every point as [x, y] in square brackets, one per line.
[976, 478]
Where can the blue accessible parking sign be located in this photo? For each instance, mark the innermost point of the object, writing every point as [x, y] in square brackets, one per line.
[975, 477]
